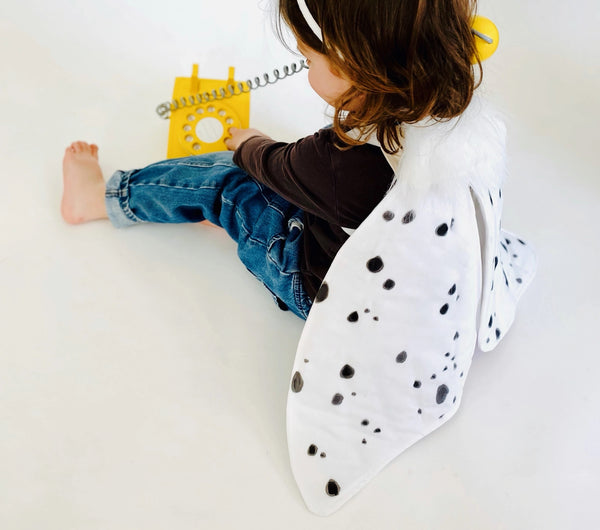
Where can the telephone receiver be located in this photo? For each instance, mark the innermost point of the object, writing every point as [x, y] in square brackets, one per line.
[202, 110]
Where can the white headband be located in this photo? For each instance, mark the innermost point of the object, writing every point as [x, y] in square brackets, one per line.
[309, 19]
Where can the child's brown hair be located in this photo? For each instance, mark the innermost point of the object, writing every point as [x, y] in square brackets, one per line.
[406, 59]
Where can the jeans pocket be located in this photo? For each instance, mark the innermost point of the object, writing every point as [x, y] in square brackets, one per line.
[284, 248]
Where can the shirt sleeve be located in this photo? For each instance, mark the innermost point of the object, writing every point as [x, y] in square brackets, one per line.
[301, 172]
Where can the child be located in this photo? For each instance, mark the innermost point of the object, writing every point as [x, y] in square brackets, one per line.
[290, 207]
[428, 274]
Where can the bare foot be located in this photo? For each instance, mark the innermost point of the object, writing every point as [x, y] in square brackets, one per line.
[83, 191]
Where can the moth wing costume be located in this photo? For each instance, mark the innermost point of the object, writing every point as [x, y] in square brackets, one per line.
[427, 277]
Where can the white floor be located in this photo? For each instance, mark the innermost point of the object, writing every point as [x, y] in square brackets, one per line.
[144, 373]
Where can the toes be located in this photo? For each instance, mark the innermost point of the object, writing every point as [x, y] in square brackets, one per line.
[80, 147]
[83, 148]
[75, 147]
[70, 152]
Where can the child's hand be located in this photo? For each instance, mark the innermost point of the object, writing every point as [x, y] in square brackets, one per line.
[239, 136]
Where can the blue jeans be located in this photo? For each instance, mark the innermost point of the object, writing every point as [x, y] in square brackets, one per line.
[267, 228]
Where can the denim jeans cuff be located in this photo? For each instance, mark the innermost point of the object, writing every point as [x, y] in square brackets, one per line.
[117, 200]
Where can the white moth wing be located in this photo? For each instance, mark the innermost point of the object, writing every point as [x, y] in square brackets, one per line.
[387, 345]
[389, 340]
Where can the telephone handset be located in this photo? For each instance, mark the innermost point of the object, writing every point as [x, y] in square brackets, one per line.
[202, 110]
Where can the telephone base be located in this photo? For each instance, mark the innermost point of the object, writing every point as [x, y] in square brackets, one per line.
[202, 127]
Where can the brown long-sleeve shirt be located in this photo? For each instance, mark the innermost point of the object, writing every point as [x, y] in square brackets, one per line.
[335, 188]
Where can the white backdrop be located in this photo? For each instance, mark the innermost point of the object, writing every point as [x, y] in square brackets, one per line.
[144, 373]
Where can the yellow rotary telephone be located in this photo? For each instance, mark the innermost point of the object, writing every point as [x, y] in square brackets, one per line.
[202, 127]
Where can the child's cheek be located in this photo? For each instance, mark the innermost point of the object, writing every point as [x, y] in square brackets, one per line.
[316, 84]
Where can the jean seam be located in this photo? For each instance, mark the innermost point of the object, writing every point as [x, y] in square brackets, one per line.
[269, 203]
[204, 166]
[238, 215]
[298, 292]
[170, 186]
[269, 246]
[279, 211]
[124, 198]
[122, 195]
